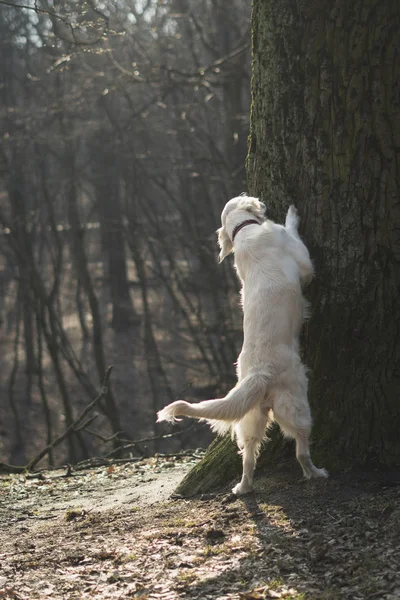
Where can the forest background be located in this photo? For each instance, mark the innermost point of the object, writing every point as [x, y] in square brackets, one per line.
[123, 133]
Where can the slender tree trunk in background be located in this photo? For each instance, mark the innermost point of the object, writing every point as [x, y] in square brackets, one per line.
[113, 239]
[82, 270]
[233, 95]
[30, 361]
[158, 381]
[18, 452]
[80, 307]
[325, 134]
[73, 451]
[42, 388]
[19, 214]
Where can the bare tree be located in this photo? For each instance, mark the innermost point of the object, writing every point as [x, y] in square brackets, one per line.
[124, 135]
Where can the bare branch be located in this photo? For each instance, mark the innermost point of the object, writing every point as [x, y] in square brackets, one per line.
[53, 15]
[164, 436]
[71, 429]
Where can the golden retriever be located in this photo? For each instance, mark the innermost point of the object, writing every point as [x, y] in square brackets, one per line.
[272, 263]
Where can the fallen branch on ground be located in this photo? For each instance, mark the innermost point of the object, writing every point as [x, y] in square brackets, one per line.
[4, 468]
[77, 425]
[134, 443]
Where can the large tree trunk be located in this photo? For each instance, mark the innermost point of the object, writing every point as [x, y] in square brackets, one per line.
[325, 134]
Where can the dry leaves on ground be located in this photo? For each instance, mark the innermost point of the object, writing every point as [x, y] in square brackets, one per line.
[103, 534]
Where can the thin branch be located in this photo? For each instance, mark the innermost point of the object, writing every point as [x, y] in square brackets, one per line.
[36, 9]
[163, 436]
[54, 15]
[194, 75]
[87, 423]
[71, 429]
[103, 438]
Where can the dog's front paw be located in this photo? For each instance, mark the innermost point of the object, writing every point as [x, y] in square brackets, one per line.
[292, 217]
[240, 489]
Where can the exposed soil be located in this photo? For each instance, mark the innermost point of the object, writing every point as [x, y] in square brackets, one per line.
[115, 532]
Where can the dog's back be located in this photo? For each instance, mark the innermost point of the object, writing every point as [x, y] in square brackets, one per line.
[273, 305]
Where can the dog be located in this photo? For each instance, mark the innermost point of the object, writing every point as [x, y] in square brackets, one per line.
[272, 264]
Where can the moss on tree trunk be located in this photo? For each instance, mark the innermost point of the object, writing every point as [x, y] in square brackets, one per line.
[325, 134]
[220, 464]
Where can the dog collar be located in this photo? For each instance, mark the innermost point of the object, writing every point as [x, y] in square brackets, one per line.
[239, 227]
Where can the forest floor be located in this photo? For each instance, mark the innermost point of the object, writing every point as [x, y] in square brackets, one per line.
[115, 532]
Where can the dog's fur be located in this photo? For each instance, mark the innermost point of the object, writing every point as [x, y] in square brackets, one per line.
[272, 262]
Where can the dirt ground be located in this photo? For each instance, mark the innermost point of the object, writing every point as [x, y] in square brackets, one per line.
[115, 532]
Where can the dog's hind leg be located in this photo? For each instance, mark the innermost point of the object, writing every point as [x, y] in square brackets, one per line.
[294, 418]
[304, 458]
[249, 434]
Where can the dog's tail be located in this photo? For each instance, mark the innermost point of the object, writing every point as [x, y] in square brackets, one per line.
[233, 407]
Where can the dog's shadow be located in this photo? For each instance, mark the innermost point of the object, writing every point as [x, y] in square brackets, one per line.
[295, 523]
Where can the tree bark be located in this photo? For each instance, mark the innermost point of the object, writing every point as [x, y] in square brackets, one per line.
[325, 134]
[113, 239]
[82, 271]
[19, 209]
[220, 464]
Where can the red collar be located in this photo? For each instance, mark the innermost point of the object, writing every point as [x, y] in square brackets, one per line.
[239, 227]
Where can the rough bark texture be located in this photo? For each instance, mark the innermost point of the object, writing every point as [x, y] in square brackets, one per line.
[108, 195]
[220, 464]
[325, 134]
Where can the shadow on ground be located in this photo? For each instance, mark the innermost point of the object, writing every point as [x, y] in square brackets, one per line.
[319, 539]
[115, 532]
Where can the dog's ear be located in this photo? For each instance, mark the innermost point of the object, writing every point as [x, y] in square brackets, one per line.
[253, 206]
[224, 242]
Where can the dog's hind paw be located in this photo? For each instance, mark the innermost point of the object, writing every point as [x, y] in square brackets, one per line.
[315, 473]
[320, 473]
[240, 489]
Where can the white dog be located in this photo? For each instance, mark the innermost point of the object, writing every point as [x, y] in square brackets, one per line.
[272, 262]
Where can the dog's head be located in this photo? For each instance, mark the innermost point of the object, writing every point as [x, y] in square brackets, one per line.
[234, 211]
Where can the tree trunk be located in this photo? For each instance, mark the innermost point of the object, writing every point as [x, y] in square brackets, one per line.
[19, 209]
[220, 464]
[113, 239]
[325, 134]
[82, 271]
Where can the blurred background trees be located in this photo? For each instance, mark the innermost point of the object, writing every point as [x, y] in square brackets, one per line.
[123, 131]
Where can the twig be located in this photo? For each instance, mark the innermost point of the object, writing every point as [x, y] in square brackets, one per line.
[6, 468]
[134, 443]
[103, 438]
[86, 423]
[54, 15]
[180, 453]
[120, 448]
[72, 428]
[93, 463]
[111, 438]
[96, 461]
